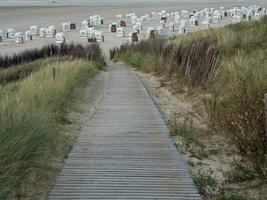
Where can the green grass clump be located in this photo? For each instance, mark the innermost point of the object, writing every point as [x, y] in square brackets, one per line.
[139, 61]
[206, 183]
[30, 111]
[240, 174]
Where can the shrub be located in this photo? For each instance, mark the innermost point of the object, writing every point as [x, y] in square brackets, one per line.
[90, 52]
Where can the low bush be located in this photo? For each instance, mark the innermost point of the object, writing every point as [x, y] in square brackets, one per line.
[90, 52]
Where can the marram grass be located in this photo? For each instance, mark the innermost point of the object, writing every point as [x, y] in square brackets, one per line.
[230, 65]
[29, 112]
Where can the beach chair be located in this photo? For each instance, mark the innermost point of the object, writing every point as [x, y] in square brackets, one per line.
[134, 19]
[121, 32]
[171, 27]
[164, 18]
[136, 28]
[206, 23]
[236, 18]
[162, 23]
[10, 33]
[18, 37]
[193, 21]
[83, 33]
[72, 26]
[140, 25]
[133, 37]
[42, 32]
[85, 23]
[60, 38]
[185, 13]
[28, 35]
[99, 36]
[257, 16]
[90, 32]
[216, 19]
[123, 23]
[51, 32]
[91, 36]
[181, 29]
[34, 30]
[65, 26]
[113, 27]
[160, 31]
[151, 33]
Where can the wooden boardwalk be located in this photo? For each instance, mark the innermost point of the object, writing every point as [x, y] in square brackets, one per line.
[125, 151]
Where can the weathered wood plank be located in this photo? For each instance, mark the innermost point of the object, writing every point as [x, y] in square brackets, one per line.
[124, 151]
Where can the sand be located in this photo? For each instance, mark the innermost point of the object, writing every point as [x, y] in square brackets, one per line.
[22, 17]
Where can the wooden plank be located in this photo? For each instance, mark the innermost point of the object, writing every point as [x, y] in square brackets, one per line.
[124, 151]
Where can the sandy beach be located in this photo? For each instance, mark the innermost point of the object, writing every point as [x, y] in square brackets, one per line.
[22, 16]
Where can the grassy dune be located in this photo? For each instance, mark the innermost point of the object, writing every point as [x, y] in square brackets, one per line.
[229, 66]
[31, 112]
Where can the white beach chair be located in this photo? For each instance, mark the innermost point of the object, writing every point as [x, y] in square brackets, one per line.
[160, 32]
[60, 38]
[185, 13]
[65, 26]
[50, 32]
[171, 27]
[18, 37]
[181, 29]
[134, 19]
[236, 18]
[99, 36]
[34, 30]
[10, 33]
[206, 23]
[193, 21]
[83, 33]
[42, 32]
[216, 19]
[28, 35]
[85, 23]
[121, 32]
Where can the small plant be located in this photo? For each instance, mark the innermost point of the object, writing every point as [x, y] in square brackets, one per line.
[190, 137]
[239, 174]
[206, 183]
[237, 196]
